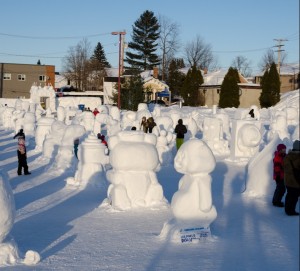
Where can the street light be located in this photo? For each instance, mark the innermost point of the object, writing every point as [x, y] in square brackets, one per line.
[119, 75]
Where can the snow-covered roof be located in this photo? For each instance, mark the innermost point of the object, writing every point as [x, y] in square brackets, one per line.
[286, 69]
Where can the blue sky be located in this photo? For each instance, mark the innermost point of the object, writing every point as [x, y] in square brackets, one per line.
[232, 27]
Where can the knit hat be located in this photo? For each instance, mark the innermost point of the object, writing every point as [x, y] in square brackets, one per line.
[296, 145]
[281, 147]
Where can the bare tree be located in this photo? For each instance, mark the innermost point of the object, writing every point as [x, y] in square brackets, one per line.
[168, 41]
[76, 64]
[200, 54]
[242, 64]
[268, 58]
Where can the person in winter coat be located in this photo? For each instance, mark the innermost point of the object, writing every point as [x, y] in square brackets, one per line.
[151, 124]
[292, 178]
[22, 156]
[278, 175]
[180, 130]
[144, 125]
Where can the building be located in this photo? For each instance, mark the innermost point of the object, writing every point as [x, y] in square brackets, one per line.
[289, 77]
[249, 92]
[16, 80]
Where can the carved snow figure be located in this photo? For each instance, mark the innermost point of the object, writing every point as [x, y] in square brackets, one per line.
[192, 205]
[92, 160]
[279, 126]
[9, 254]
[245, 138]
[213, 136]
[61, 114]
[42, 130]
[163, 148]
[134, 159]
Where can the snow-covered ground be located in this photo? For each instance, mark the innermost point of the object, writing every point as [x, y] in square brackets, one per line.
[71, 229]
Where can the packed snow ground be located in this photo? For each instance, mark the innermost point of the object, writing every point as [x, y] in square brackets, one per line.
[70, 230]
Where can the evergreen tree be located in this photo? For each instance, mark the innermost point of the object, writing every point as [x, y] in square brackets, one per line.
[230, 91]
[132, 93]
[190, 90]
[99, 57]
[175, 77]
[144, 43]
[270, 85]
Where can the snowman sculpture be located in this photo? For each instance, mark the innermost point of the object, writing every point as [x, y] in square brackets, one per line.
[192, 205]
[134, 159]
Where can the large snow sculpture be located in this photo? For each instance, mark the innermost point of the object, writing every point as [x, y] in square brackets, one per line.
[213, 136]
[134, 159]
[192, 205]
[9, 254]
[92, 160]
[245, 138]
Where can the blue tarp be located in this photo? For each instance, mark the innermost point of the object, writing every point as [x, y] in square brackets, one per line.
[164, 93]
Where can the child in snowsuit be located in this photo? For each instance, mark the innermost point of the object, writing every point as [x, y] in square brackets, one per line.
[151, 124]
[278, 175]
[180, 130]
[292, 179]
[22, 157]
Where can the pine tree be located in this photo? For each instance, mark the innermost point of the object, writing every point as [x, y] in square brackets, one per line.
[99, 57]
[175, 77]
[230, 91]
[132, 93]
[190, 89]
[144, 43]
[270, 85]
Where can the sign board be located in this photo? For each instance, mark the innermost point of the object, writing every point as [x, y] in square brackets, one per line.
[194, 235]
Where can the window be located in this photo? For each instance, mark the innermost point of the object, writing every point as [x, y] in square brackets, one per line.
[6, 76]
[21, 77]
[42, 78]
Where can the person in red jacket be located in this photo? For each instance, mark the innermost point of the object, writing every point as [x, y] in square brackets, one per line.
[278, 175]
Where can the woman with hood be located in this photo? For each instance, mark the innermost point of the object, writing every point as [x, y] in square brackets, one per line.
[292, 178]
[278, 175]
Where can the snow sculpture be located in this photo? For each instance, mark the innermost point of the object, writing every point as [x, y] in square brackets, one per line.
[65, 153]
[133, 179]
[61, 114]
[17, 118]
[245, 138]
[129, 120]
[92, 161]
[42, 130]
[7, 118]
[53, 140]
[192, 205]
[163, 148]
[9, 254]
[114, 112]
[279, 126]
[29, 124]
[213, 136]
[164, 123]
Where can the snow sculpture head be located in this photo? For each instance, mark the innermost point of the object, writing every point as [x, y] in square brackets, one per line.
[194, 157]
[249, 136]
[133, 151]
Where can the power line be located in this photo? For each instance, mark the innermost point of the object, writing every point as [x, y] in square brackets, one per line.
[55, 38]
[243, 51]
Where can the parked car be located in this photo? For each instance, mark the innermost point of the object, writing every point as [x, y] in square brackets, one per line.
[60, 91]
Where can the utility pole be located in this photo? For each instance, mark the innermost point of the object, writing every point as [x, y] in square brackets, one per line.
[121, 34]
[279, 45]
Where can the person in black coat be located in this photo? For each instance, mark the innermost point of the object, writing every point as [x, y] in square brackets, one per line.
[180, 130]
[22, 156]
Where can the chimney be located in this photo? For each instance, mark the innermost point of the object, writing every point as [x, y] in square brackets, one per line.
[155, 72]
